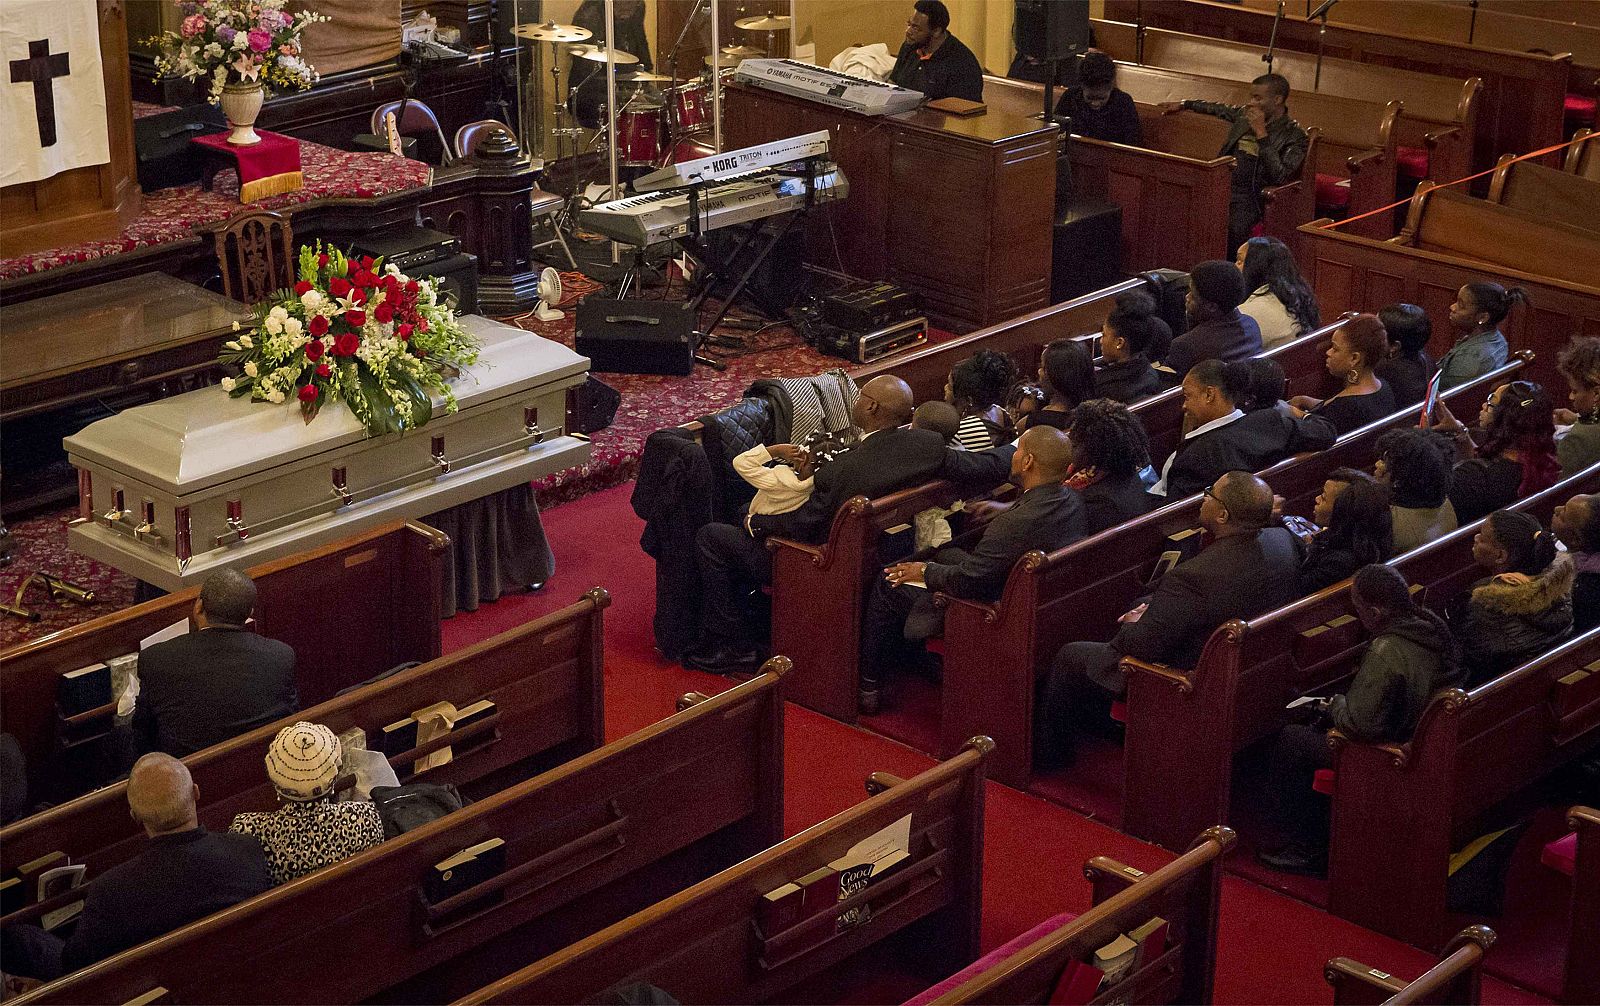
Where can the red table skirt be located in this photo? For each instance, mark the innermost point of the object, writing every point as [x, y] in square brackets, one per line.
[268, 168]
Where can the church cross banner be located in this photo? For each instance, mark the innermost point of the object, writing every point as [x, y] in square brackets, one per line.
[52, 93]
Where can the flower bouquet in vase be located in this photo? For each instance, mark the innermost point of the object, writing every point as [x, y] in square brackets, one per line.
[354, 331]
[240, 48]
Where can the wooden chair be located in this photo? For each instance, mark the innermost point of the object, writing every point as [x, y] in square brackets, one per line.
[412, 118]
[1457, 980]
[255, 253]
[544, 206]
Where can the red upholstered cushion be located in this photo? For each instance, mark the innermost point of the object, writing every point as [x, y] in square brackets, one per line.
[1579, 108]
[1258, 230]
[1561, 854]
[1322, 782]
[1119, 711]
[993, 957]
[1331, 193]
[935, 645]
[1412, 161]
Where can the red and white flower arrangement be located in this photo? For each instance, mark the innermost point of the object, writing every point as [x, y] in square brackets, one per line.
[237, 41]
[356, 331]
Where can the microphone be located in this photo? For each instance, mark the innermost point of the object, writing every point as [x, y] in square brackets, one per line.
[1321, 11]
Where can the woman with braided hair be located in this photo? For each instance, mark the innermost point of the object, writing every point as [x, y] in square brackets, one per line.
[977, 388]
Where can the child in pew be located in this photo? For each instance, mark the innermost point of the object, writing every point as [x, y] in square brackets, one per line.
[1411, 656]
[933, 525]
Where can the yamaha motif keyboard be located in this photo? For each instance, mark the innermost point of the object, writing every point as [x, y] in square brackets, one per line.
[744, 161]
[664, 216]
[830, 87]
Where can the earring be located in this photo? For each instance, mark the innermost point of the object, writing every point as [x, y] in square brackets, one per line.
[1352, 377]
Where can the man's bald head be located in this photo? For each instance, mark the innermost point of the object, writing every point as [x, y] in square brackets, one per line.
[161, 794]
[884, 403]
[1247, 499]
[1051, 452]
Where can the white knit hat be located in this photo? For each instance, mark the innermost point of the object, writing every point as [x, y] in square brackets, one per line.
[303, 761]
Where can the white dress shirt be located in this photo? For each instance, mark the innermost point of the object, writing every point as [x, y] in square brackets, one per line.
[1160, 488]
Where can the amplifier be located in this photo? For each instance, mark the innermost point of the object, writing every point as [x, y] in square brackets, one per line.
[458, 279]
[406, 247]
[868, 307]
[636, 336]
[864, 347]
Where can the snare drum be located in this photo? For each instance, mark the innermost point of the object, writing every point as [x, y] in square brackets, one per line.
[689, 108]
[641, 134]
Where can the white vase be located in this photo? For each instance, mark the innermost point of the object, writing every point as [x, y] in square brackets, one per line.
[241, 103]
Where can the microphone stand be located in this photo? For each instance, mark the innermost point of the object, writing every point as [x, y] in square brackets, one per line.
[1322, 39]
[1472, 23]
[672, 57]
[1272, 41]
[1138, 33]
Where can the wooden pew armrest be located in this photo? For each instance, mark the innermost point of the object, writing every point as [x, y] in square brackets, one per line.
[1399, 754]
[990, 611]
[1110, 877]
[1354, 982]
[1372, 158]
[1182, 679]
[1436, 137]
[879, 782]
[818, 553]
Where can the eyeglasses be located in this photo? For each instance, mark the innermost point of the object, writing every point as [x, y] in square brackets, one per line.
[1206, 493]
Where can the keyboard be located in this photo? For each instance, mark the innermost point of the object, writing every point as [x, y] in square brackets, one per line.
[828, 87]
[654, 217]
[720, 167]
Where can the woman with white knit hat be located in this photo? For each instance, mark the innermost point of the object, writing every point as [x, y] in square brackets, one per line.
[310, 830]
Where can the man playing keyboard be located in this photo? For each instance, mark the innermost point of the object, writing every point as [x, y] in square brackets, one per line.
[934, 61]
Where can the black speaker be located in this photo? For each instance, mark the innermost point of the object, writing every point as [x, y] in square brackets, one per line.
[1052, 29]
[636, 336]
[458, 280]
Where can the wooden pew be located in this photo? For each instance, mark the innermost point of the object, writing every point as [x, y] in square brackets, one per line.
[1450, 222]
[1400, 810]
[994, 653]
[1583, 156]
[1348, 273]
[545, 678]
[1581, 981]
[1547, 193]
[1023, 339]
[1522, 92]
[1570, 11]
[705, 945]
[1173, 190]
[587, 843]
[1186, 892]
[1440, 117]
[1456, 980]
[386, 580]
[1184, 726]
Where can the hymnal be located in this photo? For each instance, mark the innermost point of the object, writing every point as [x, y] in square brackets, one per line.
[466, 869]
[1152, 940]
[84, 689]
[1116, 958]
[1077, 985]
[398, 737]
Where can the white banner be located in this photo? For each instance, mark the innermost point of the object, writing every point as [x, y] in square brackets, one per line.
[52, 95]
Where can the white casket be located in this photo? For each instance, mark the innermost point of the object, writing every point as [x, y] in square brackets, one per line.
[173, 490]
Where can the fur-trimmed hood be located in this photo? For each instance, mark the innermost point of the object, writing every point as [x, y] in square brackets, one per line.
[1527, 596]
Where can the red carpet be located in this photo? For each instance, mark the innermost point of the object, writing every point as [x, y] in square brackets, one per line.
[1272, 948]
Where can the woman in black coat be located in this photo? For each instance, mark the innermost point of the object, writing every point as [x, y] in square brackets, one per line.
[1356, 529]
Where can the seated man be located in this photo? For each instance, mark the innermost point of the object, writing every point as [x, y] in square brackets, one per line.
[1267, 146]
[1222, 437]
[1217, 330]
[934, 61]
[735, 560]
[1248, 568]
[1046, 516]
[1098, 108]
[224, 680]
[184, 873]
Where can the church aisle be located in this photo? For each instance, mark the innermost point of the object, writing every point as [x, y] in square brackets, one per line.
[1271, 947]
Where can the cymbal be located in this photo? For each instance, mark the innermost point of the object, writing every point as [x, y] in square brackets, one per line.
[742, 51]
[645, 76]
[552, 32]
[600, 54]
[725, 60]
[778, 22]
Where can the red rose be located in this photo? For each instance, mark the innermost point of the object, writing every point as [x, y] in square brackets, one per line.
[355, 319]
[366, 262]
[422, 326]
[339, 286]
[308, 393]
[358, 296]
[322, 261]
[314, 347]
[404, 331]
[411, 286]
[323, 370]
[384, 313]
[319, 325]
[346, 345]
[301, 287]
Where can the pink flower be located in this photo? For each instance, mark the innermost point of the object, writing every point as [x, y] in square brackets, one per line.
[193, 25]
[260, 40]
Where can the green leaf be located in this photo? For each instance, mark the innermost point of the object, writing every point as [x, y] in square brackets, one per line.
[383, 419]
[421, 403]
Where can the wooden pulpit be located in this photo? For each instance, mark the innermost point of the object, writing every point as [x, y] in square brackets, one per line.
[92, 202]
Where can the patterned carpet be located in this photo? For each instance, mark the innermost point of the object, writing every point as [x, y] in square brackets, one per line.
[649, 403]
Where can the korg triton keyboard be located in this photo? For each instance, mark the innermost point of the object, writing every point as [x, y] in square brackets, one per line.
[664, 216]
[829, 87]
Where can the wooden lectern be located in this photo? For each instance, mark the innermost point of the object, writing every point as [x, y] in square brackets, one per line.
[88, 203]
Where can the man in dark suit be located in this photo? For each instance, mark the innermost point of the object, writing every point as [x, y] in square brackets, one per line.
[1217, 331]
[1221, 437]
[184, 873]
[1046, 516]
[204, 687]
[1248, 568]
[735, 560]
